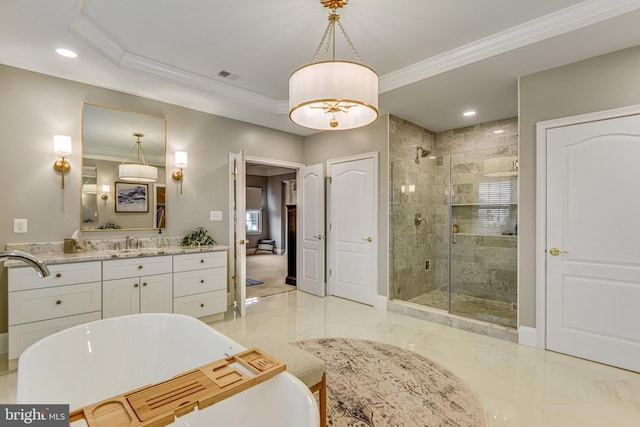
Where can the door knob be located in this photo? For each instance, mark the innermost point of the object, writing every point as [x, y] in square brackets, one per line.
[319, 237]
[367, 239]
[240, 242]
[556, 252]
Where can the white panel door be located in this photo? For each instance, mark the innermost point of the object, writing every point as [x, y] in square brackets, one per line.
[352, 230]
[593, 241]
[240, 233]
[310, 234]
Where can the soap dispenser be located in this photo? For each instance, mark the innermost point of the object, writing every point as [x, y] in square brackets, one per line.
[160, 242]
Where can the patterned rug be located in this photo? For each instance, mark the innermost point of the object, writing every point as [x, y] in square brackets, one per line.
[251, 282]
[376, 384]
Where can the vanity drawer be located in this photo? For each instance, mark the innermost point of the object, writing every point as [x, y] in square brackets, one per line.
[198, 281]
[199, 261]
[135, 267]
[21, 279]
[49, 303]
[22, 336]
[201, 305]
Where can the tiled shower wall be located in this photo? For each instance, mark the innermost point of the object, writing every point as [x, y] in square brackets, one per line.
[484, 266]
[411, 244]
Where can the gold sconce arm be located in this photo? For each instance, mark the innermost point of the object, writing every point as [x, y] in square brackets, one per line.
[62, 147]
[178, 175]
[62, 165]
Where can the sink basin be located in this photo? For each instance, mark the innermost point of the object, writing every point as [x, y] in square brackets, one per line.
[138, 252]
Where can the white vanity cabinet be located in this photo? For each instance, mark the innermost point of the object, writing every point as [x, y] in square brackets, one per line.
[38, 307]
[200, 283]
[137, 285]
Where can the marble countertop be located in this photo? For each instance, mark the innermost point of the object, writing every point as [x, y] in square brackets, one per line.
[101, 255]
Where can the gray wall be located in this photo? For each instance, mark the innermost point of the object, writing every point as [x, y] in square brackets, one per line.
[261, 182]
[600, 83]
[277, 209]
[331, 145]
[34, 107]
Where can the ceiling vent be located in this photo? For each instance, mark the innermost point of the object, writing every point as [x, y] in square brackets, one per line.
[228, 75]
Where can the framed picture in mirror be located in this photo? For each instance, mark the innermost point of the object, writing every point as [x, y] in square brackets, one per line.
[132, 197]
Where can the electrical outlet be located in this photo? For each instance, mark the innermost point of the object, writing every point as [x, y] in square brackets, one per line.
[19, 225]
[215, 215]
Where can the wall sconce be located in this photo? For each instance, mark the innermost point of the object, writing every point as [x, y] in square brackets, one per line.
[180, 162]
[62, 147]
[105, 193]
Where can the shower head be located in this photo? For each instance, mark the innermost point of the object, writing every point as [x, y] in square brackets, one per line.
[424, 153]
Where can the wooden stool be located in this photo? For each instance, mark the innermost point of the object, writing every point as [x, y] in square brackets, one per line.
[306, 367]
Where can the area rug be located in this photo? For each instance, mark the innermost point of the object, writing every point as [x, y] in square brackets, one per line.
[376, 384]
[253, 282]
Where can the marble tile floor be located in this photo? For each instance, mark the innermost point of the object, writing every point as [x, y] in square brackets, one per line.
[517, 385]
[469, 306]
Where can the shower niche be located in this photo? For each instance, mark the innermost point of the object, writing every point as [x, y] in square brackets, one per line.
[467, 204]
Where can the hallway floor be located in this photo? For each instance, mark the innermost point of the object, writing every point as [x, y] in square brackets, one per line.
[517, 385]
[272, 271]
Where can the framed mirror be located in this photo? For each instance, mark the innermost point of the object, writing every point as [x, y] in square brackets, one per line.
[123, 169]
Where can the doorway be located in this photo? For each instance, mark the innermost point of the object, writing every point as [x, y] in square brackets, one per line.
[270, 196]
[267, 260]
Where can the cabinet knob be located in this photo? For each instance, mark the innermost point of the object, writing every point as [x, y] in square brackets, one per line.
[201, 280]
[135, 285]
[139, 267]
[201, 261]
[144, 284]
[58, 275]
[201, 305]
[59, 302]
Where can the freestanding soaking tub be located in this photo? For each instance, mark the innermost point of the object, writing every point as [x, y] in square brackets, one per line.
[95, 361]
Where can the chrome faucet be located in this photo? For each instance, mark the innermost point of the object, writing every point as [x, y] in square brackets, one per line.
[37, 264]
[127, 243]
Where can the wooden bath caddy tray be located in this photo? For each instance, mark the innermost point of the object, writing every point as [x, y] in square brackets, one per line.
[159, 404]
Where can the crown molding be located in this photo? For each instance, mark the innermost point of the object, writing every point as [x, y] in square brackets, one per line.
[572, 18]
[563, 21]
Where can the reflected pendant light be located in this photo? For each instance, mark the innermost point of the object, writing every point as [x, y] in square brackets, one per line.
[331, 94]
[137, 172]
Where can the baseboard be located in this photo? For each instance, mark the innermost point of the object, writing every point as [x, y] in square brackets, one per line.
[4, 343]
[528, 336]
[380, 302]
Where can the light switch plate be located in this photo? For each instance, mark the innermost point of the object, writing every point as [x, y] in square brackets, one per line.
[215, 215]
[19, 225]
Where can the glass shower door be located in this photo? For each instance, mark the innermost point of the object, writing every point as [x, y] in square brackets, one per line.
[483, 235]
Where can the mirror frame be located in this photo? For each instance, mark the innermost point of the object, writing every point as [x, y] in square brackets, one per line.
[119, 157]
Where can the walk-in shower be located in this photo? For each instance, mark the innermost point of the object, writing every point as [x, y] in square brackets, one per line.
[454, 233]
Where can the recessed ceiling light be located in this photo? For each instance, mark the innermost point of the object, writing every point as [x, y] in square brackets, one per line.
[499, 131]
[66, 52]
[469, 113]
